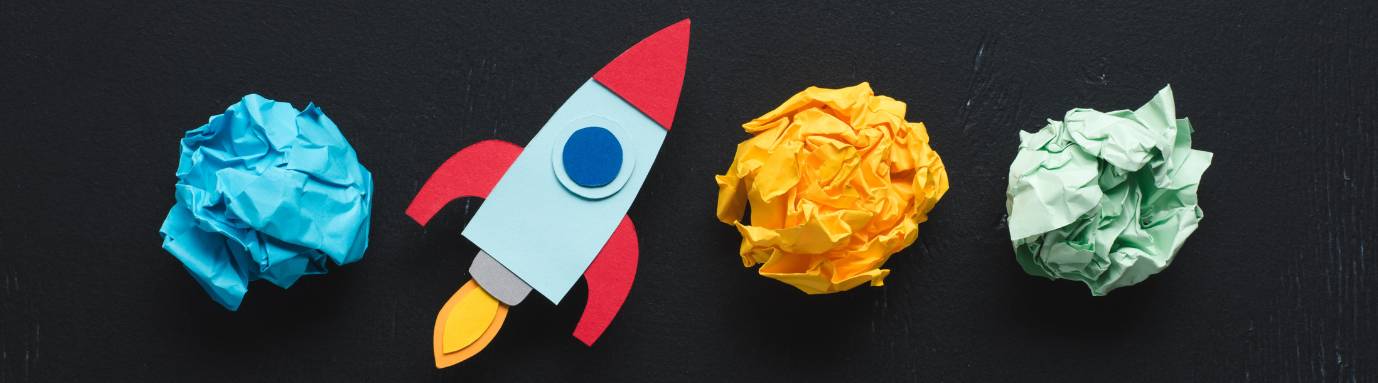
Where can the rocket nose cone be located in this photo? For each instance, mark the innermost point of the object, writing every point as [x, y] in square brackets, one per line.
[650, 74]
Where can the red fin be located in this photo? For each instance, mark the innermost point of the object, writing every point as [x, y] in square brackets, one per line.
[610, 279]
[473, 172]
[650, 74]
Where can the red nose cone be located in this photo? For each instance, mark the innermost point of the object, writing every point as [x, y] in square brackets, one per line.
[650, 74]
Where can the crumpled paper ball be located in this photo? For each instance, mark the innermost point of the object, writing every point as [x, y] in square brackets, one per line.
[265, 191]
[837, 181]
[1105, 198]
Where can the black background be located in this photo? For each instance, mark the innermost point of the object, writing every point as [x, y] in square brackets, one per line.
[94, 96]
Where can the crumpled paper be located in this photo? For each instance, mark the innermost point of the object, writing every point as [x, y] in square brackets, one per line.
[837, 181]
[1105, 198]
[265, 191]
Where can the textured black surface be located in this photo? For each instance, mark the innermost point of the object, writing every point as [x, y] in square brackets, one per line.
[94, 96]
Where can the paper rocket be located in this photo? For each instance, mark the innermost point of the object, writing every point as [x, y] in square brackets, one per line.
[556, 210]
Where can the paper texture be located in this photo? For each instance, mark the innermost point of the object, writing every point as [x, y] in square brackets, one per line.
[837, 181]
[541, 231]
[265, 191]
[1105, 198]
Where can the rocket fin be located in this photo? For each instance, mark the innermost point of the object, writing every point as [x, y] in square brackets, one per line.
[472, 172]
[609, 278]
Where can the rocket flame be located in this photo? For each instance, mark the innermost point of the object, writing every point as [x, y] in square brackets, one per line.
[478, 317]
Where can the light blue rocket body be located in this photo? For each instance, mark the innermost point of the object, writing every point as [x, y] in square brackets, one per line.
[531, 212]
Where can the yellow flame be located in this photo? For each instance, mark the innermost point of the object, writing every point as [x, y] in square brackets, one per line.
[466, 324]
[468, 319]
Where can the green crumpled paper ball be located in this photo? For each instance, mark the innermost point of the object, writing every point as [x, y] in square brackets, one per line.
[1105, 198]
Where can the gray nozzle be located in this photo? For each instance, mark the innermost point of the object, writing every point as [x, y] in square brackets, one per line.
[497, 280]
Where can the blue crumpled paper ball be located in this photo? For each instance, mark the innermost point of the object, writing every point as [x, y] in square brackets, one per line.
[265, 191]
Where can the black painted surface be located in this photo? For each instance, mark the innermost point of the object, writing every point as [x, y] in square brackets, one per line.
[1275, 286]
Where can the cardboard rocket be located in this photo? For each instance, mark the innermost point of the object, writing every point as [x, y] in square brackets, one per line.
[556, 209]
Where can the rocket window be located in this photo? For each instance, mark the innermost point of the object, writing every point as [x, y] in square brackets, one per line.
[593, 157]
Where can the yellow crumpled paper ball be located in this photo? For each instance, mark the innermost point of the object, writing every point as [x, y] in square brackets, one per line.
[837, 181]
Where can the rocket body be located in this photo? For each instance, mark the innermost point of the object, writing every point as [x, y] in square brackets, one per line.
[561, 200]
[556, 209]
[540, 229]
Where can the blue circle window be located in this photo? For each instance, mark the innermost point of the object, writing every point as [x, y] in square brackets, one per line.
[592, 157]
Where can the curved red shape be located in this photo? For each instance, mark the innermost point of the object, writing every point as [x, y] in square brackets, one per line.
[472, 172]
[610, 278]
